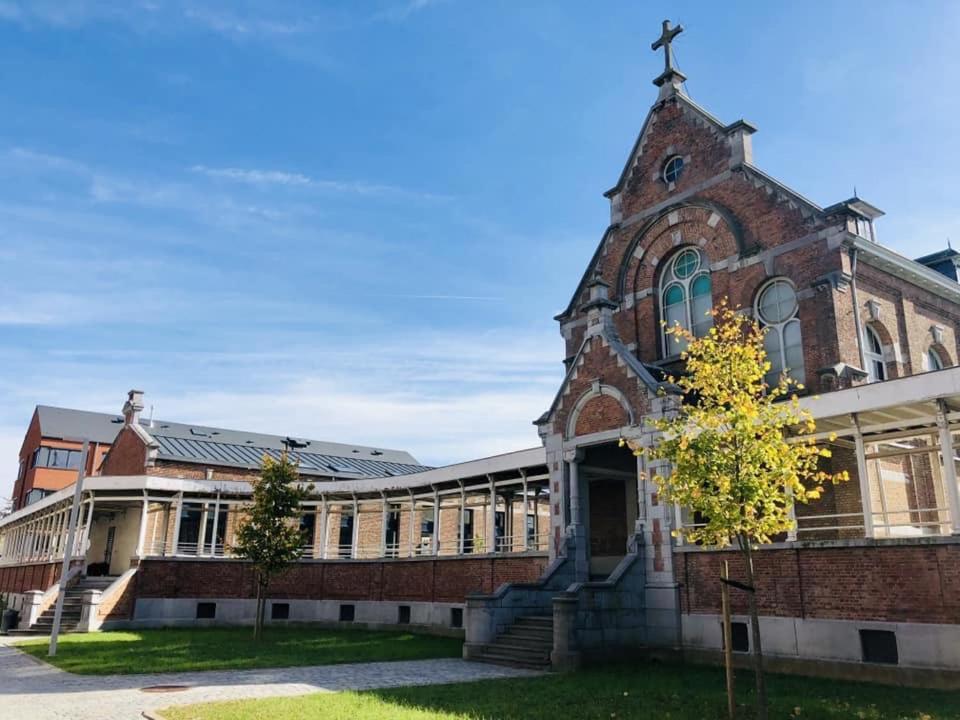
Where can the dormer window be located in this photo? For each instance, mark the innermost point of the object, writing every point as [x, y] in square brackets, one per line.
[865, 228]
[672, 169]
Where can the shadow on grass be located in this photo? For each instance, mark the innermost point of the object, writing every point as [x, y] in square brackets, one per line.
[653, 691]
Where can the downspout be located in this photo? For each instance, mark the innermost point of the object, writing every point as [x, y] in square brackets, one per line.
[856, 307]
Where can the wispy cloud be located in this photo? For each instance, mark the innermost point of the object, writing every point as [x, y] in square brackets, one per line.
[253, 177]
[265, 178]
[444, 395]
[403, 10]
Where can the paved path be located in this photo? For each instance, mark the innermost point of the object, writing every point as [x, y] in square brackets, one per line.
[33, 690]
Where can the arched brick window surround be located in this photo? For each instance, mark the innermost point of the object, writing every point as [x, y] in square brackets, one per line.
[598, 390]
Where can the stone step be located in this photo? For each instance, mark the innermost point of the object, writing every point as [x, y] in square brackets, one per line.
[514, 661]
[534, 620]
[517, 651]
[506, 642]
[530, 632]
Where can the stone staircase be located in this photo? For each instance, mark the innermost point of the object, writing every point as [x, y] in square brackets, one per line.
[72, 605]
[525, 644]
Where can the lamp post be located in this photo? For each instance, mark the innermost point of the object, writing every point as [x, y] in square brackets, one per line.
[68, 550]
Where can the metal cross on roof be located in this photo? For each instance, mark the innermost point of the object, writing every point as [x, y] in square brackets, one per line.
[664, 41]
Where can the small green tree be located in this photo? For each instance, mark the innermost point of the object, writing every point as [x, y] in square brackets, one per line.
[742, 452]
[269, 535]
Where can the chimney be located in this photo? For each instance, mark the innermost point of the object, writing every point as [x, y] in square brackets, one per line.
[132, 407]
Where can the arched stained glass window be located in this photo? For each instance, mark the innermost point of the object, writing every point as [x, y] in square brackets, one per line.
[685, 297]
[777, 310]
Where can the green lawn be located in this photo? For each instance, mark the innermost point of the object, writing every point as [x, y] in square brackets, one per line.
[641, 692]
[167, 650]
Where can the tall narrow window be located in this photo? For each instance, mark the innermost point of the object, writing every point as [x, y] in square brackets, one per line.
[932, 361]
[685, 297]
[777, 309]
[873, 354]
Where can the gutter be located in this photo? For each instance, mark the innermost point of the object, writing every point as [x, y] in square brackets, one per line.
[856, 306]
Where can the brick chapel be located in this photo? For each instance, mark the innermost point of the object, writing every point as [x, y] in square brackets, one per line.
[568, 546]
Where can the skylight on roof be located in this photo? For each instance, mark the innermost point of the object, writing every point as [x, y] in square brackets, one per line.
[341, 468]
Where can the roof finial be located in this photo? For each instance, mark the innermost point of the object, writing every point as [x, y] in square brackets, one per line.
[671, 78]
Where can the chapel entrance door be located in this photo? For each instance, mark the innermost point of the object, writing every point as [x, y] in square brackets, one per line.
[609, 473]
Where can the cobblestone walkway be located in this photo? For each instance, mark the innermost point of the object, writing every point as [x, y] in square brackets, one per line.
[32, 690]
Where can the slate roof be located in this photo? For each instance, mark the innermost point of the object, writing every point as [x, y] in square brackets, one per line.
[233, 448]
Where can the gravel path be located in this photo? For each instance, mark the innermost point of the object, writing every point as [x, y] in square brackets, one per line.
[33, 690]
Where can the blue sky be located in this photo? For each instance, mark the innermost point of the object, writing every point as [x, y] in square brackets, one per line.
[355, 220]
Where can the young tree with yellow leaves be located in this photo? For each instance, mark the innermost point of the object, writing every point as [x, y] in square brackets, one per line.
[742, 452]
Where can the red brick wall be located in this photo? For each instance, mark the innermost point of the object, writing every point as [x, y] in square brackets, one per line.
[599, 362]
[22, 578]
[437, 580]
[119, 606]
[127, 456]
[892, 583]
[601, 413]
[762, 219]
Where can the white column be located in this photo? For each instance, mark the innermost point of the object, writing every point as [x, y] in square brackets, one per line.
[175, 542]
[140, 552]
[354, 540]
[949, 469]
[526, 511]
[865, 500]
[82, 550]
[463, 518]
[216, 525]
[434, 541]
[413, 518]
[324, 513]
[792, 532]
[492, 520]
[384, 517]
[573, 465]
[61, 530]
[536, 518]
[47, 534]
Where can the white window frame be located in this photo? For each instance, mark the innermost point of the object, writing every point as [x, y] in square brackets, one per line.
[669, 161]
[932, 360]
[669, 278]
[780, 327]
[872, 358]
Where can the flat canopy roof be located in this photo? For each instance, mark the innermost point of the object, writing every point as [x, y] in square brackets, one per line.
[890, 406]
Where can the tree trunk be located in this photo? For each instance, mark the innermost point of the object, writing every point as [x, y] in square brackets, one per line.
[263, 583]
[755, 632]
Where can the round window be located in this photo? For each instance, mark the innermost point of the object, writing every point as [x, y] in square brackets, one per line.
[672, 169]
[778, 302]
[686, 263]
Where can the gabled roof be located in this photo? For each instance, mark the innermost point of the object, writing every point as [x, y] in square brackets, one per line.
[627, 358]
[231, 448]
[66, 424]
[708, 117]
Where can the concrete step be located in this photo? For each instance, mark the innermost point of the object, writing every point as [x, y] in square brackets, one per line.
[534, 620]
[513, 661]
[511, 653]
[540, 649]
[532, 633]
